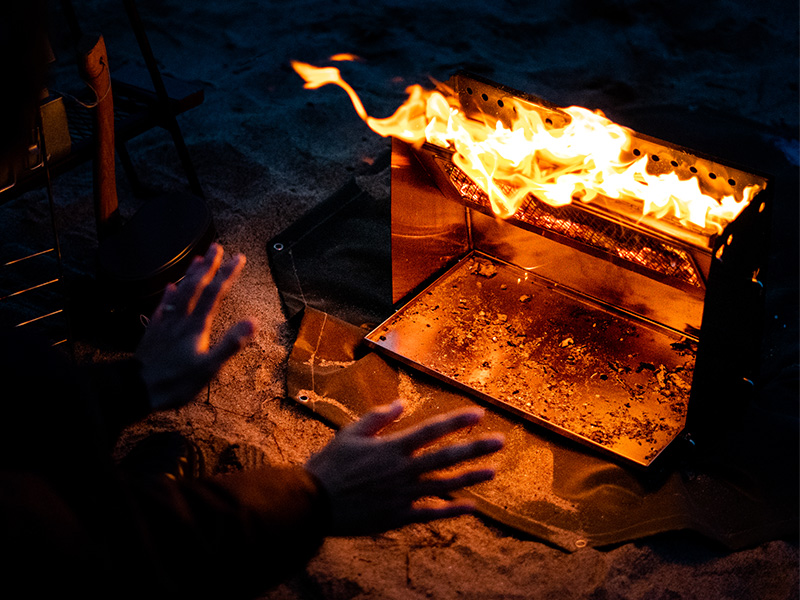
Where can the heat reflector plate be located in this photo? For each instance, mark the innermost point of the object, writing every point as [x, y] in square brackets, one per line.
[535, 349]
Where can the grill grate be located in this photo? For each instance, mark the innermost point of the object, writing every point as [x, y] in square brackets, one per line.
[578, 225]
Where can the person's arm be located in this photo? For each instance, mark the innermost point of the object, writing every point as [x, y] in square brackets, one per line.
[176, 357]
[240, 533]
[362, 482]
[375, 482]
[372, 482]
[174, 360]
[229, 536]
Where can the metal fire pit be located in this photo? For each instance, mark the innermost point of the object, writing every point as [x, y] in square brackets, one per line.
[587, 319]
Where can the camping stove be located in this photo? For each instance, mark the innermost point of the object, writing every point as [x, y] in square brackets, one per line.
[619, 331]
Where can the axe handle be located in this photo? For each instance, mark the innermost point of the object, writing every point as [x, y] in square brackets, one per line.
[94, 70]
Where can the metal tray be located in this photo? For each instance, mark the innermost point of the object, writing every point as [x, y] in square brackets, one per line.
[548, 355]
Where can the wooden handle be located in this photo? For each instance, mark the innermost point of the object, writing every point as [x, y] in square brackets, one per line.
[94, 70]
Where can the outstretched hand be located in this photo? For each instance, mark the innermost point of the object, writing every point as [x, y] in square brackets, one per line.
[175, 352]
[375, 482]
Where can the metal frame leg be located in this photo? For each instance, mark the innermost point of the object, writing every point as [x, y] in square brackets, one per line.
[170, 122]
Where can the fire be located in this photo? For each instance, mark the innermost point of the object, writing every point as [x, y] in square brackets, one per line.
[579, 160]
[344, 56]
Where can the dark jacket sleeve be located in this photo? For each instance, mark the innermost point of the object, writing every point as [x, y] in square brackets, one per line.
[74, 522]
[56, 413]
[117, 393]
[231, 536]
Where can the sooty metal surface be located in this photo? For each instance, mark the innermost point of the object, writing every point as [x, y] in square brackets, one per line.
[552, 357]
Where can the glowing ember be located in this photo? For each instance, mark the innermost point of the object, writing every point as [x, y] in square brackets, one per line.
[556, 164]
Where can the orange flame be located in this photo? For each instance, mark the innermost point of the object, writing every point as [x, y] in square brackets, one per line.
[344, 56]
[557, 164]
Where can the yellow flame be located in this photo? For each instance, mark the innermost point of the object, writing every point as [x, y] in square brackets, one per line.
[557, 164]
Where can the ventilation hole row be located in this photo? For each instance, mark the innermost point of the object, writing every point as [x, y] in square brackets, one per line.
[502, 104]
[636, 151]
[656, 158]
[485, 98]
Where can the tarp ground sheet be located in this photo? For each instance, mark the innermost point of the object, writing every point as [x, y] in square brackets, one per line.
[333, 271]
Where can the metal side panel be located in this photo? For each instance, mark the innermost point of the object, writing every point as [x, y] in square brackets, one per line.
[429, 232]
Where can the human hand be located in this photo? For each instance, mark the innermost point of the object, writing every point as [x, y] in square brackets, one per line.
[374, 482]
[175, 353]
